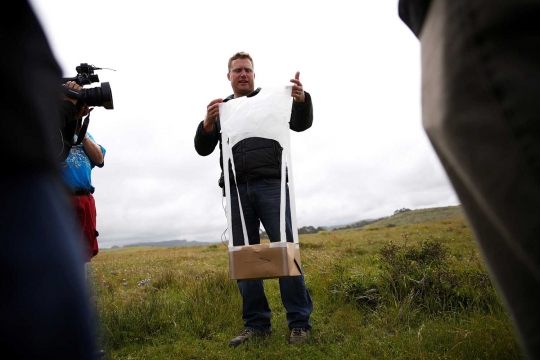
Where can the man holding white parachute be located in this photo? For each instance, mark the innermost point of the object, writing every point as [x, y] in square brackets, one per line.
[255, 174]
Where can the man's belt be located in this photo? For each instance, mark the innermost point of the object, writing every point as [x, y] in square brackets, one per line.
[79, 192]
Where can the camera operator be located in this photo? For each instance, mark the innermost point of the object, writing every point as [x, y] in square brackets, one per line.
[77, 168]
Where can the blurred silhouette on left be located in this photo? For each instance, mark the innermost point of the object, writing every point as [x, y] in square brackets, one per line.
[45, 311]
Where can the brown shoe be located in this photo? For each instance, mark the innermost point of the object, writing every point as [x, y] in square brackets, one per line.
[247, 334]
[299, 334]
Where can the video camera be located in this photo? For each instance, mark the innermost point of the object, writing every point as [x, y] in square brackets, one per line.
[96, 96]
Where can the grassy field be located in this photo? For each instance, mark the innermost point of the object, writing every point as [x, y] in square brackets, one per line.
[415, 291]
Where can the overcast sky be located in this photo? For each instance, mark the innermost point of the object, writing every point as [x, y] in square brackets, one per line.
[365, 156]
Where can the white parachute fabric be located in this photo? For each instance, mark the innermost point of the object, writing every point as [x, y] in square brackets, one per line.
[264, 115]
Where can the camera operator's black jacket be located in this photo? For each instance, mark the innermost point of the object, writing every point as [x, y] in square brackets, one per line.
[67, 125]
[254, 158]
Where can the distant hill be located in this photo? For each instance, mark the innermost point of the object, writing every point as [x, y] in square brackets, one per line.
[169, 243]
[406, 216]
[356, 224]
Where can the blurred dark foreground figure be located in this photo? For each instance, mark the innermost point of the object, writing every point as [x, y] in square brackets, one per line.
[481, 112]
[45, 310]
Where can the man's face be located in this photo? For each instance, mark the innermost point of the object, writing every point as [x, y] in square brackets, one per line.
[241, 77]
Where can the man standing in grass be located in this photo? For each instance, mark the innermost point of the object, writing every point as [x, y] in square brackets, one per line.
[258, 179]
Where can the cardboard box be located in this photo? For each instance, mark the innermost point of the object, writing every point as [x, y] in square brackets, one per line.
[265, 261]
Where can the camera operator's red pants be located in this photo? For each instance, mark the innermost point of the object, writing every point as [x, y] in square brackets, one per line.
[85, 209]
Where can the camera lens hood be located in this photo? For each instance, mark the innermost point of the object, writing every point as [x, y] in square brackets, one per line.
[106, 93]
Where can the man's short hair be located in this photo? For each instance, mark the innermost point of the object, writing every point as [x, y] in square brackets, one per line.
[240, 55]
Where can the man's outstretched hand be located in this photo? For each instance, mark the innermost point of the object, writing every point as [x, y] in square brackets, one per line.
[298, 90]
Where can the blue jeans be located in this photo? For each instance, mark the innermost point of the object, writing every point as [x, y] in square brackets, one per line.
[261, 203]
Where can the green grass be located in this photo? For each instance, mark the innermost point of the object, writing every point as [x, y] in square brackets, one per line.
[417, 291]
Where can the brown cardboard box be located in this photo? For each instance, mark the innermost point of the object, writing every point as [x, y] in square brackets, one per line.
[265, 261]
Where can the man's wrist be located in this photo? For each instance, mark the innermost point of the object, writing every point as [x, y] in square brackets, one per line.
[204, 126]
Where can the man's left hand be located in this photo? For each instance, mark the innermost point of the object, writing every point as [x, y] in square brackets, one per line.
[298, 90]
